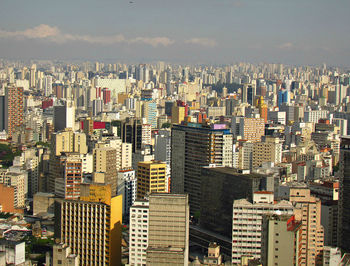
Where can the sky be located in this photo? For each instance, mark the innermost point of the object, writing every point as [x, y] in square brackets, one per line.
[302, 32]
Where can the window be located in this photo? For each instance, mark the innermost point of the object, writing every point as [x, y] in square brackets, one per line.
[59, 261]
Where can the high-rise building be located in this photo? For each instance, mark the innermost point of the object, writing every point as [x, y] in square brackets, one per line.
[177, 114]
[168, 235]
[344, 195]
[150, 178]
[105, 167]
[91, 227]
[68, 141]
[11, 110]
[17, 180]
[281, 237]
[138, 233]
[64, 116]
[32, 80]
[70, 176]
[221, 186]
[307, 210]
[130, 131]
[192, 147]
[247, 223]
[127, 186]
[268, 151]
[250, 129]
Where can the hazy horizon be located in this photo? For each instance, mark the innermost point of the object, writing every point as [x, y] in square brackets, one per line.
[191, 32]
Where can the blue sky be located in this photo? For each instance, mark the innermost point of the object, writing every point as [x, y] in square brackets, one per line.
[192, 31]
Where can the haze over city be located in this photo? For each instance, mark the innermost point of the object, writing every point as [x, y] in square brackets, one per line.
[196, 31]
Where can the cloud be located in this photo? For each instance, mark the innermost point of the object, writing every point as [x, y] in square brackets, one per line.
[286, 46]
[54, 34]
[202, 41]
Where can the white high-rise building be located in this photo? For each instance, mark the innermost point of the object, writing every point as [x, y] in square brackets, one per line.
[48, 85]
[127, 184]
[247, 223]
[138, 233]
[64, 116]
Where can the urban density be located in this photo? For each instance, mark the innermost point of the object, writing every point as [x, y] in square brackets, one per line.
[174, 133]
[165, 164]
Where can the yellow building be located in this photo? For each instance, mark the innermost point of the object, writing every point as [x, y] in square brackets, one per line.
[177, 114]
[91, 227]
[150, 178]
[68, 141]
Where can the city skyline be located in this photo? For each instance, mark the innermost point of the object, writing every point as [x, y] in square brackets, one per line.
[208, 31]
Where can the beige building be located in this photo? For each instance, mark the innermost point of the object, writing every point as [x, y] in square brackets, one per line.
[280, 240]
[62, 255]
[150, 178]
[268, 151]
[168, 236]
[250, 129]
[308, 211]
[105, 167]
[18, 182]
[68, 141]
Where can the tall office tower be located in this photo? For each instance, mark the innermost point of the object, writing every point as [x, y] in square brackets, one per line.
[64, 116]
[177, 114]
[250, 129]
[344, 195]
[147, 134]
[150, 178]
[149, 111]
[307, 209]
[127, 185]
[91, 227]
[162, 146]
[138, 233]
[192, 147]
[220, 187]
[247, 223]
[281, 236]
[11, 109]
[32, 80]
[69, 176]
[124, 155]
[262, 109]
[342, 124]
[97, 106]
[328, 193]
[68, 141]
[105, 167]
[48, 85]
[248, 93]
[268, 151]
[130, 131]
[168, 235]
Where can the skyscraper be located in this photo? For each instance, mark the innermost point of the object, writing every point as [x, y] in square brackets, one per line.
[11, 109]
[91, 226]
[64, 116]
[307, 210]
[192, 147]
[344, 195]
[168, 235]
[150, 178]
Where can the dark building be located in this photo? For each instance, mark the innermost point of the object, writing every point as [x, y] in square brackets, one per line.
[220, 187]
[344, 195]
[130, 131]
[193, 146]
[168, 108]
